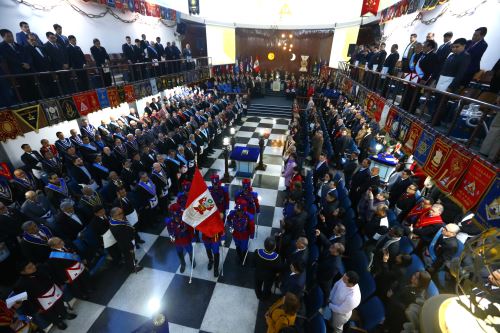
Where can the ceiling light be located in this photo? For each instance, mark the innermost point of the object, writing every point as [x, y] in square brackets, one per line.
[290, 50]
[282, 35]
[291, 45]
[279, 43]
[290, 36]
[284, 47]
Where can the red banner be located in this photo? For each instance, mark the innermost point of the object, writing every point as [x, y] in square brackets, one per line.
[437, 157]
[390, 118]
[452, 170]
[474, 183]
[86, 102]
[370, 6]
[9, 128]
[374, 106]
[114, 97]
[411, 140]
[129, 93]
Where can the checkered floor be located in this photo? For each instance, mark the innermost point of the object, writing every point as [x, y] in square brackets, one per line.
[225, 305]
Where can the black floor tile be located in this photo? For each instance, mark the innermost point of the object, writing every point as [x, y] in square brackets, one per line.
[278, 131]
[162, 255]
[263, 125]
[237, 275]
[282, 121]
[266, 215]
[107, 282]
[113, 320]
[186, 304]
[240, 139]
[279, 198]
[206, 162]
[247, 129]
[154, 228]
[253, 119]
[265, 181]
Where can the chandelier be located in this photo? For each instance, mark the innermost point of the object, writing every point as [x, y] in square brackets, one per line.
[281, 41]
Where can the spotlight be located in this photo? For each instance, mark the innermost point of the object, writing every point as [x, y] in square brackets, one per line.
[279, 43]
[232, 131]
[289, 50]
[154, 305]
[291, 45]
[290, 36]
[225, 141]
[284, 47]
[282, 35]
[378, 147]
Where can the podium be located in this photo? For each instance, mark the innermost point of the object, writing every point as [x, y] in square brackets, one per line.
[245, 158]
[386, 164]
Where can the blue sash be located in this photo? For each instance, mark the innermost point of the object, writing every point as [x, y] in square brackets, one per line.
[78, 141]
[183, 160]
[432, 246]
[66, 143]
[90, 130]
[64, 255]
[117, 222]
[149, 186]
[194, 144]
[173, 160]
[89, 146]
[63, 189]
[29, 184]
[267, 256]
[36, 240]
[100, 167]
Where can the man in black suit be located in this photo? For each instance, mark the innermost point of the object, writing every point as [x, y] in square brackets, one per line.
[295, 281]
[321, 168]
[443, 52]
[382, 54]
[161, 53]
[446, 247]
[77, 61]
[408, 52]
[476, 48]
[128, 50]
[329, 263]
[68, 222]
[399, 187]
[359, 179]
[57, 54]
[81, 174]
[32, 160]
[61, 39]
[391, 60]
[267, 265]
[39, 61]
[428, 63]
[124, 234]
[102, 59]
[22, 36]
[17, 63]
[169, 56]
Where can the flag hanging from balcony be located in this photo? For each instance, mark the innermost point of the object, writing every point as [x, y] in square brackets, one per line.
[452, 169]
[102, 96]
[9, 129]
[129, 93]
[488, 210]
[370, 6]
[437, 157]
[423, 146]
[412, 137]
[52, 111]
[113, 97]
[31, 118]
[86, 102]
[68, 108]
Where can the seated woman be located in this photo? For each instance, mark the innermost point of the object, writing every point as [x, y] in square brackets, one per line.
[282, 314]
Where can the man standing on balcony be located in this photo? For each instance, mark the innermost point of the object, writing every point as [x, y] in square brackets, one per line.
[443, 52]
[61, 39]
[476, 48]
[408, 52]
[128, 50]
[391, 60]
[77, 61]
[22, 36]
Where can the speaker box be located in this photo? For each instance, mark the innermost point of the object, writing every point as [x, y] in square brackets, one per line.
[181, 28]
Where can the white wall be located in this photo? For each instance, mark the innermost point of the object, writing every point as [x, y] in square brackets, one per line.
[398, 31]
[110, 31]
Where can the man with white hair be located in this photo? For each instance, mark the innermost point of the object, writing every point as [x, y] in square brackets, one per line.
[69, 222]
[445, 247]
[37, 208]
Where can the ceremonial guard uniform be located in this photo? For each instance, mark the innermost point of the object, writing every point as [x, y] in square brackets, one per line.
[182, 196]
[250, 197]
[181, 234]
[242, 226]
[220, 194]
[67, 267]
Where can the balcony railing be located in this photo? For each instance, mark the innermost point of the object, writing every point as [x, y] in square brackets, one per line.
[28, 87]
[463, 119]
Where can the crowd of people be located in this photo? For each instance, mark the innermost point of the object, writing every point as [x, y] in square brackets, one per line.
[447, 67]
[363, 225]
[25, 53]
[83, 197]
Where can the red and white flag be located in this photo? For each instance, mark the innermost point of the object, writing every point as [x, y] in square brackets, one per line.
[201, 211]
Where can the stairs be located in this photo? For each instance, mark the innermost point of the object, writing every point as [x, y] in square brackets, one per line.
[269, 111]
[269, 92]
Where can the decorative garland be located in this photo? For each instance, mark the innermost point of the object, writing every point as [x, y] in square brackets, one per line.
[108, 10]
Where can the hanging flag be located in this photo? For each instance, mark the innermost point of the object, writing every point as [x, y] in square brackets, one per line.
[412, 137]
[159, 84]
[113, 97]
[102, 96]
[9, 129]
[131, 5]
[452, 169]
[384, 115]
[390, 118]
[68, 108]
[31, 118]
[5, 172]
[250, 65]
[488, 210]
[370, 6]
[404, 126]
[129, 93]
[52, 111]
[423, 146]
[201, 211]
[474, 184]
[256, 65]
[437, 156]
[87, 102]
[146, 89]
[111, 3]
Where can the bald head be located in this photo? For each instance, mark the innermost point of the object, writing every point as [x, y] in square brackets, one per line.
[30, 195]
[55, 243]
[87, 190]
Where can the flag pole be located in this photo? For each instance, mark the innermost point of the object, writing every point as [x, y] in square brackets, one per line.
[248, 249]
[221, 263]
[192, 263]
[257, 226]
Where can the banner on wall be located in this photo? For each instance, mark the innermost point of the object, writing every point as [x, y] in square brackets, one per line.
[68, 108]
[146, 89]
[390, 118]
[31, 118]
[86, 102]
[488, 209]
[383, 115]
[159, 84]
[423, 147]
[52, 110]
[404, 126]
[154, 88]
[452, 170]
[437, 157]
[9, 129]
[113, 97]
[474, 184]
[129, 92]
[395, 122]
[102, 96]
[412, 137]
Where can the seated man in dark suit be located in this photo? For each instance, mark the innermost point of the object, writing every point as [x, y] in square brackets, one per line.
[445, 248]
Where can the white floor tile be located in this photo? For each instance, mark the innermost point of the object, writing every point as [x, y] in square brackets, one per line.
[273, 151]
[268, 120]
[279, 126]
[228, 298]
[136, 292]
[201, 271]
[278, 216]
[174, 328]
[253, 141]
[271, 169]
[87, 313]
[244, 134]
[250, 124]
[267, 197]
[281, 185]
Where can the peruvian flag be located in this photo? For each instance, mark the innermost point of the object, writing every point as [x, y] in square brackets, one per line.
[256, 65]
[201, 211]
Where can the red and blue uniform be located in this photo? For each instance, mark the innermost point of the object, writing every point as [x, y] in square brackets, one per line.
[251, 198]
[243, 225]
[183, 196]
[219, 193]
[181, 232]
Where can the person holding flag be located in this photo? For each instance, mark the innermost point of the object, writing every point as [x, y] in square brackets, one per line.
[181, 234]
[202, 214]
[220, 194]
[182, 196]
[242, 226]
[250, 197]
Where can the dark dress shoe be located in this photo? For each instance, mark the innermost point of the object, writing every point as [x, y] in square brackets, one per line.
[138, 269]
[61, 325]
[71, 316]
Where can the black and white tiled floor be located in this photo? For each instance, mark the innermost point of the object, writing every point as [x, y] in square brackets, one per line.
[224, 305]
